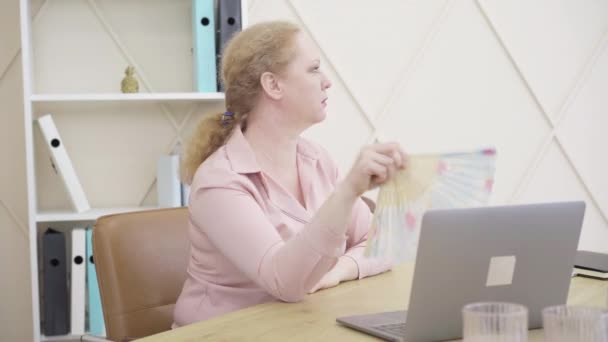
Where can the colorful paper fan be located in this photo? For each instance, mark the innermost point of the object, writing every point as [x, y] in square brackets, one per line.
[448, 180]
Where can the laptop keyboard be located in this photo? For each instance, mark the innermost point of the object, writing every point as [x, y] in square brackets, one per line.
[394, 329]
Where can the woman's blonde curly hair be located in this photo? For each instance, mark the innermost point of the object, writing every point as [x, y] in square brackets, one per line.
[263, 47]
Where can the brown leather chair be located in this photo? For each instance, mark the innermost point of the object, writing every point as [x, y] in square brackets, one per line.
[141, 261]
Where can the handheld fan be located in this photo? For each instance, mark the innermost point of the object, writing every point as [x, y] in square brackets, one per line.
[448, 180]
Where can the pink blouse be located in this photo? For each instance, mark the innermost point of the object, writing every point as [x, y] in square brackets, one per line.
[252, 241]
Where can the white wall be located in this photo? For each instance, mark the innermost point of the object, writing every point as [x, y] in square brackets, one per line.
[435, 75]
[529, 77]
[15, 288]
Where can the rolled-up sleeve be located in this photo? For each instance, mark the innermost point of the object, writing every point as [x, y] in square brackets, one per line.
[359, 225]
[357, 241]
[237, 226]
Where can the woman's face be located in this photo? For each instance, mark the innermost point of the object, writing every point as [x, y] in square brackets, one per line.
[304, 85]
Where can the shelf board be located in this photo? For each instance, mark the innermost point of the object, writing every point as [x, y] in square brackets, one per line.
[71, 337]
[61, 338]
[89, 215]
[116, 97]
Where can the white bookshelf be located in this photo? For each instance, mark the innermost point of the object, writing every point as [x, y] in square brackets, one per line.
[50, 216]
[61, 338]
[117, 97]
[74, 53]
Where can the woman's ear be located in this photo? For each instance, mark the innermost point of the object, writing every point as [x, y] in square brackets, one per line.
[271, 85]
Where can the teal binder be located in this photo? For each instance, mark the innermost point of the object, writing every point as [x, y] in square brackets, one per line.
[203, 33]
[96, 323]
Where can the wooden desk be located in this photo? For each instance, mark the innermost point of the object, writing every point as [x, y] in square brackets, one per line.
[314, 319]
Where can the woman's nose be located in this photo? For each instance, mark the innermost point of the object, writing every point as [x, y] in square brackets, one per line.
[325, 83]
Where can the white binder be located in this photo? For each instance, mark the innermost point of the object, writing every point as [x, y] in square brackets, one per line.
[168, 185]
[62, 163]
[78, 282]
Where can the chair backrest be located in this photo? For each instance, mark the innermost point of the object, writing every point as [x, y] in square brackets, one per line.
[141, 261]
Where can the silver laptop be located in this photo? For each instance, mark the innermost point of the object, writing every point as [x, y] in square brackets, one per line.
[521, 254]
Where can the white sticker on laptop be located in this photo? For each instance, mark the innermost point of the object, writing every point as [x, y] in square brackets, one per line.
[501, 270]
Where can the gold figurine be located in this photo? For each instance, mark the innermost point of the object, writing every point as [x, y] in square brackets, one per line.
[129, 83]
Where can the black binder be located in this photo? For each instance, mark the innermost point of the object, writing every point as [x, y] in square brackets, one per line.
[228, 23]
[56, 313]
[591, 264]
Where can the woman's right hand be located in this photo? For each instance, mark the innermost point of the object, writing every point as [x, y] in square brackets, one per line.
[375, 165]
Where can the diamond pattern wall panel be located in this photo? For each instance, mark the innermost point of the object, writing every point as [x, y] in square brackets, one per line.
[72, 52]
[15, 294]
[466, 94]
[464, 73]
[555, 180]
[550, 40]
[158, 46]
[114, 149]
[263, 10]
[527, 77]
[12, 158]
[9, 41]
[388, 36]
[583, 131]
[156, 38]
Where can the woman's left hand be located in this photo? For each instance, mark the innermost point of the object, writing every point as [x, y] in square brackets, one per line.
[345, 269]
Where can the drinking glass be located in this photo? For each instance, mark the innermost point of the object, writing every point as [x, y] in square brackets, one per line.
[495, 322]
[564, 323]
